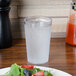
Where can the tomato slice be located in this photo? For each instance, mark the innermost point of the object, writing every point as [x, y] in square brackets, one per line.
[40, 73]
[27, 67]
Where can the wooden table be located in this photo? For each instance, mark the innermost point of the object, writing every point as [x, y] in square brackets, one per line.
[62, 56]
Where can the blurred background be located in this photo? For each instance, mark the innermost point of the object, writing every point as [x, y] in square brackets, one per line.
[59, 10]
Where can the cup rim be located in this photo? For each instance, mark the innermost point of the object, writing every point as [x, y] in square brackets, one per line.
[38, 18]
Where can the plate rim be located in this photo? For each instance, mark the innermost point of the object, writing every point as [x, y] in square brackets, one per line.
[48, 68]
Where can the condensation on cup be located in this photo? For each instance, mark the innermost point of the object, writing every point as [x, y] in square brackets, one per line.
[38, 36]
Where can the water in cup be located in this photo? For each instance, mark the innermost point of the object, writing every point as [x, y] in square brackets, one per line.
[38, 35]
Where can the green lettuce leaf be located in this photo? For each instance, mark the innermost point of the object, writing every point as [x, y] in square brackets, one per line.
[14, 71]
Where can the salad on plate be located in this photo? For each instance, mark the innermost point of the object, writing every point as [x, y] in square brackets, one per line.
[26, 70]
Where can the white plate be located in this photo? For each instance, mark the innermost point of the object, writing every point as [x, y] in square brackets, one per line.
[55, 72]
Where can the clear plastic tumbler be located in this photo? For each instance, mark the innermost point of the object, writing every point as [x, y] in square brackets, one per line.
[38, 36]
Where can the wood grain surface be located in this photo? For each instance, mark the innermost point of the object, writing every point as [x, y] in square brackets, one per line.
[62, 55]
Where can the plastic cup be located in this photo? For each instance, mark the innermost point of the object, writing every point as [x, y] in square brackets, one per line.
[38, 36]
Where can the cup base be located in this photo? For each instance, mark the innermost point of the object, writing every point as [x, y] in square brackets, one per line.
[37, 63]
